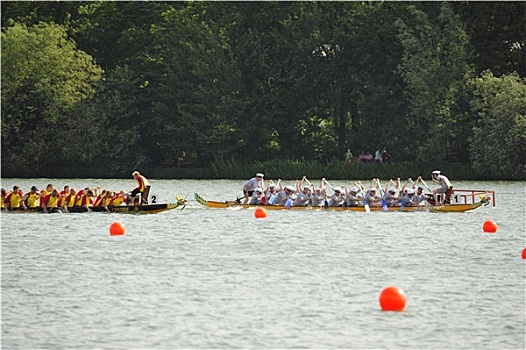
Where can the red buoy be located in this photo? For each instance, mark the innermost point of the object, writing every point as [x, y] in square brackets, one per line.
[393, 299]
[117, 229]
[260, 213]
[490, 226]
[524, 253]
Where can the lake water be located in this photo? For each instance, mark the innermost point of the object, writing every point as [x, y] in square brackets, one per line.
[220, 278]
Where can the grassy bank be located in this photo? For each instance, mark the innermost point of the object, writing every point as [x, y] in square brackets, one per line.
[284, 169]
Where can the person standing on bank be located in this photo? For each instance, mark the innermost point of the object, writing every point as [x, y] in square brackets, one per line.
[250, 186]
[445, 187]
[143, 187]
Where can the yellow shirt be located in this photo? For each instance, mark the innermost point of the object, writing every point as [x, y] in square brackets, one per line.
[14, 200]
[32, 200]
[52, 202]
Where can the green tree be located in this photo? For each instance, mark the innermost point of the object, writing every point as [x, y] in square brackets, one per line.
[435, 68]
[44, 76]
[498, 144]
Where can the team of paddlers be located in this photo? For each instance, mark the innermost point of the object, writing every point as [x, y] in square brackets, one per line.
[69, 197]
[304, 193]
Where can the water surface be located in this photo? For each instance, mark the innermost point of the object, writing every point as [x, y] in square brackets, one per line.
[219, 278]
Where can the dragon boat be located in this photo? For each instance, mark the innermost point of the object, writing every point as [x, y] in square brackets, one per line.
[129, 209]
[466, 201]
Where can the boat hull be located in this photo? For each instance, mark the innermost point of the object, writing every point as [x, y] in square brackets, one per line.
[450, 208]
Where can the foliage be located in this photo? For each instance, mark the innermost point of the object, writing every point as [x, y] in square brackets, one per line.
[44, 78]
[233, 87]
[498, 144]
[435, 69]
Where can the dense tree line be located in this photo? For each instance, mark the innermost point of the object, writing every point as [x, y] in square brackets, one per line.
[130, 84]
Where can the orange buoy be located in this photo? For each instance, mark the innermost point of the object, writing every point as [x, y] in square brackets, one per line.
[392, 299]
[117, 229]
[490, 226]
[524, 253]
[260, 213]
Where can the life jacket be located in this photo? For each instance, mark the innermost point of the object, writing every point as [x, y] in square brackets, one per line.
[141, 183]
[32, 200]
[117, 201]
[14, 199]
[99, 200]
[51, 202]
[70, 200]
[83, 201]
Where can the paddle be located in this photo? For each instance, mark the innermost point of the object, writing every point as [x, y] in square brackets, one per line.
[422, 180]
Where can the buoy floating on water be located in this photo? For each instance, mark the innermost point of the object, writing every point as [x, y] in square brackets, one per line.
[524, 253]
[260, 213]
[393, 299]
[490, 226]
[117, 229]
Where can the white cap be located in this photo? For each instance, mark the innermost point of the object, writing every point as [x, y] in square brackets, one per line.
[410, 191]
[260, 175]
[272, 186]
[337, 189]
[354, 189]
[290, 188]
[436, 172]
[260, 190]
[392, 189]
[306, 187]
[372, 189]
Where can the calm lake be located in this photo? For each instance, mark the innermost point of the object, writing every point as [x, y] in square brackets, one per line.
[220, 278]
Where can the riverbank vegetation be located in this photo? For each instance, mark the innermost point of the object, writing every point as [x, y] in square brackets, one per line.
[223, 90]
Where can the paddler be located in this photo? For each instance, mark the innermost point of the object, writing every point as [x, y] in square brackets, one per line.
[51, 200]
[31, 198]
[143, 187]
[14, 198]
[250, 186]
[85, 200]
[2, 199]
[70, 200]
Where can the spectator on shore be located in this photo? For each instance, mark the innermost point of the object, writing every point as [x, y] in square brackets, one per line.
[378, 156]
[368, 157]
[348, 155]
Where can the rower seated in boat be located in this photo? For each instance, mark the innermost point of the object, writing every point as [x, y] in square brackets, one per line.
[31, 199]
[419, 198]
[13, 199]
[257, 197]
[318, 197]
[282, 197]
[353, 199]
[50, 201]
[407, 200]
[271, 192]
[85, 200]
[390, 197]
[303, 197]
[371, 198]
[337, 197]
